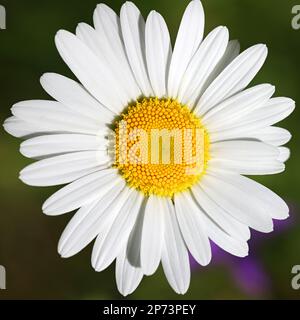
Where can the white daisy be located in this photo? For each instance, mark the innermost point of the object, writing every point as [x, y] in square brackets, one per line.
[145, 213]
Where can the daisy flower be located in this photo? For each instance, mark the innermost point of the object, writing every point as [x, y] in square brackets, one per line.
[141, 212]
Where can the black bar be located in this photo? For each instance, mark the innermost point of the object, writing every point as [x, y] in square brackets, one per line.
[145, 309]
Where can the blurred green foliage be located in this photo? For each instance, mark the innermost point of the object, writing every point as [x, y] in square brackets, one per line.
[28, 239]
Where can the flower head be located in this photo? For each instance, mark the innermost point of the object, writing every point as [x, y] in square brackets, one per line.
[153, 143]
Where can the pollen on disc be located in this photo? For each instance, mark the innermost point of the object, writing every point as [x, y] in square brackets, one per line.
[161, 147]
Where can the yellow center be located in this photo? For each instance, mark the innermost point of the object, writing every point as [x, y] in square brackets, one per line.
[161, 147]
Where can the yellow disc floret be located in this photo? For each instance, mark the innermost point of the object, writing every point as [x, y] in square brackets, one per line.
[161, 147]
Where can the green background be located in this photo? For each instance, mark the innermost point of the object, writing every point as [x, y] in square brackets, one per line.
[28, 239]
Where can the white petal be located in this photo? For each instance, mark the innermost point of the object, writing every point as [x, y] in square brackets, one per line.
[107, 24]
[284, 154]
[109, 244]
[234, 78]
[192, 228]
[93, 73]
[56, 144]
[152, 234]
[270, 202]
[245, 157]
[116, 61]
[189, 37]
[64, 169]
[223, 240]
[260, 167]
[135, 239]
[128, 277]
[231, 110]
[81, 192]
[52, 115]
[202, 64]
[220, 216]
[271, 135]
[26, 129]
[20, 128]
[175, 258]
[238, 201]
[158, 52]
[243, 150]
[232, 51]
[72, 231]
[275, 110]
[89, 221]
[74, 96]
[133, 30]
